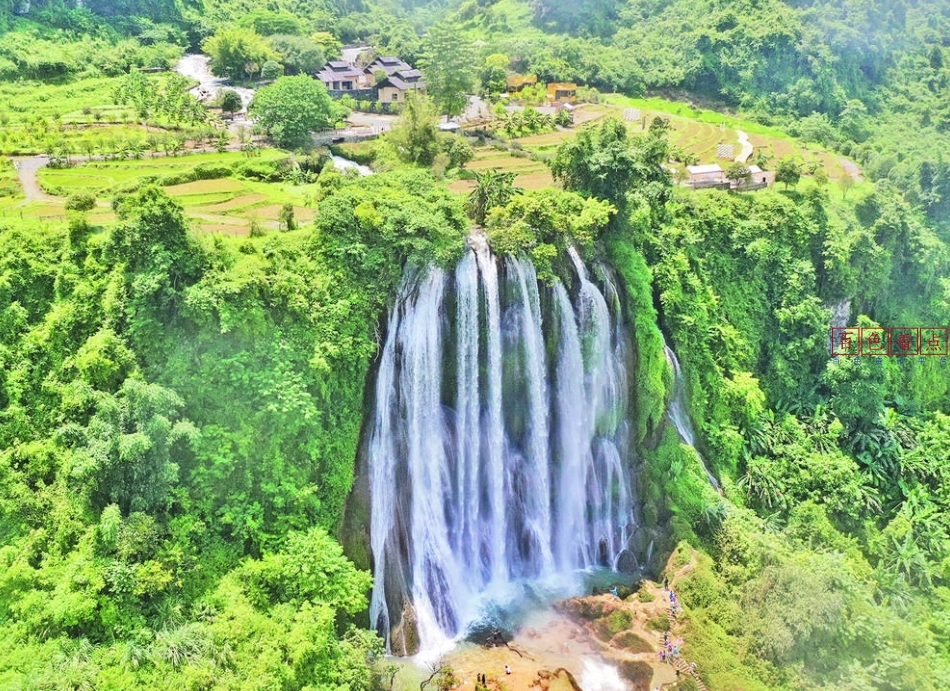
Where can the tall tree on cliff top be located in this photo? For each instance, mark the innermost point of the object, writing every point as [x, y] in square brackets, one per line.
[448, 61]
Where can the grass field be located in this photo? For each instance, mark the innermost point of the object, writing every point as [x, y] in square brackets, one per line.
[698, 131]
[82, 113]
[226, 205]
[105, 176]
[9, 183]
[693, 130]
[531, 175]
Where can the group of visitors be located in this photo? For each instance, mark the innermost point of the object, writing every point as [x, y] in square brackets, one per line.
[670, 650]
[675, 607]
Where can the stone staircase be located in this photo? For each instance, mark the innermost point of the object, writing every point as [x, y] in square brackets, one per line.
[678, 662]
[681, 665]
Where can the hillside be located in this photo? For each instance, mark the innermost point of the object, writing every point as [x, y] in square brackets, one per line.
[259, 417]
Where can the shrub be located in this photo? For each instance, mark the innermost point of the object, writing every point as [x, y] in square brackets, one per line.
[618, 621]
[658, 624]
[81, 201]
[271, 70]
[637, 672]
[212, 171]
[179, 178]
[632, 642]
[265, 171]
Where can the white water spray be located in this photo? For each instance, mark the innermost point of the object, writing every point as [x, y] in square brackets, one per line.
[498, 451]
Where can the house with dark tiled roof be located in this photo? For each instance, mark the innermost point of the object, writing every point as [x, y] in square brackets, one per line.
[343, 78]
[388, 64]
[401, 79]
[340, 76]
[396, 87]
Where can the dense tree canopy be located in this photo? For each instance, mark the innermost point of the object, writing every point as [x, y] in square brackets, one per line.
[180, 413]
[448, 62]
[237, 53]
[293, 107]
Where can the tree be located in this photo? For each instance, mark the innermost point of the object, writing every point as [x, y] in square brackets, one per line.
[789, 171]
[448, 62]
[603, 161]
[845, 183]
[293, 107]
[415, 136]
[127, 454]
[230, 101]
[233, 49]
[328, 43]
[285, 218]
[492, 189]
[493, 76]
[298, 54]
[271, 70]
[268, 23]
[738, 173]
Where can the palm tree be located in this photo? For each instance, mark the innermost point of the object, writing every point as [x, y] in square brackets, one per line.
[492, 188]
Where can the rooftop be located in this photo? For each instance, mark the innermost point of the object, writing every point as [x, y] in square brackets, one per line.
[706, 168]
[401, 84]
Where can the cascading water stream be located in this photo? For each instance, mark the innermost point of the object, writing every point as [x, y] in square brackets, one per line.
[678, 415]
[498, 447]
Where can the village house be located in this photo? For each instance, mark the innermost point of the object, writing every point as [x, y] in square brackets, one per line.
[401, 79]
[758, 179]
[387, 79]
[340, 76]
[707, 175]
[516, 82]
[562, 92]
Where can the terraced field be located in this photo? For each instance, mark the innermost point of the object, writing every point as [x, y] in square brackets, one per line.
[226, 205]
[694, 131]
[531, 175]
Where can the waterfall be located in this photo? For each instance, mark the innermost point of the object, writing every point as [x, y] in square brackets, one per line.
[680, 418]
[498, 451]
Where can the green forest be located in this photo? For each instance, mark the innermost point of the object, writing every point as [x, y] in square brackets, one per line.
[181, 412]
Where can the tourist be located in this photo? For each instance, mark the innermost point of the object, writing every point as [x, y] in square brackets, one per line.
[666, 584]
[614, 592]
[507, 669]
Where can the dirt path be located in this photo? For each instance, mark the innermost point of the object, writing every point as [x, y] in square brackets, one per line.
[26, 170]
[746, 147]
[851, 168]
